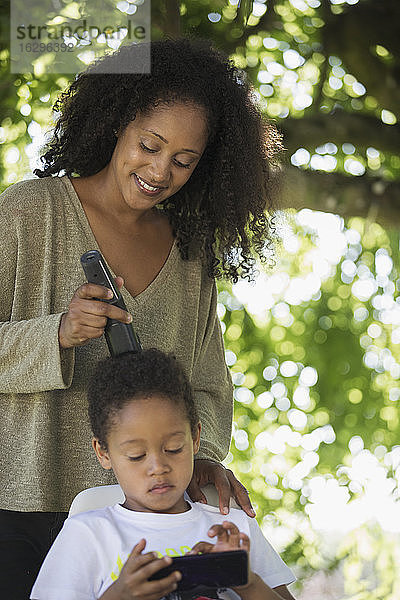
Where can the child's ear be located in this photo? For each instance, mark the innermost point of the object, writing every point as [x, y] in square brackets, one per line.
[101, 454]
[196, 439]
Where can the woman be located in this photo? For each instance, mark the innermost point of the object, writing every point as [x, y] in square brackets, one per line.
[168, 176]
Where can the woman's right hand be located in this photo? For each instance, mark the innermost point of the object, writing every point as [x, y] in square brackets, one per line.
[86, 318]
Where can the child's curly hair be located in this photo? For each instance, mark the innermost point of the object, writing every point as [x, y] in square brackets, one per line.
[118, 380]
[224, 209]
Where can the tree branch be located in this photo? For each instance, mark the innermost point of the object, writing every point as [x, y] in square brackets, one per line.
[353, 34]
[173, 18]
[361, 130]
[347, 196]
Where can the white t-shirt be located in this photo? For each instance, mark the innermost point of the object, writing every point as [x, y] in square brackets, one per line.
[89, 552]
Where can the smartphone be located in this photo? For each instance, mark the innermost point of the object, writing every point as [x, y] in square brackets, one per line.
[120, 337]
[213, 570]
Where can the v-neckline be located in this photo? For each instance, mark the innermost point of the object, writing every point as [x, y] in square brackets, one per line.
[162, 273]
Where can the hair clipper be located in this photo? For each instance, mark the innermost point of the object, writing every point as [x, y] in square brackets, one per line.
[120, 337]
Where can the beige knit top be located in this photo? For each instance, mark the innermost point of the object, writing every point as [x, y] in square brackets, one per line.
[45, 446]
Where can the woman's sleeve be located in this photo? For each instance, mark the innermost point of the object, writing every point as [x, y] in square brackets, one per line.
[30, 357]
[213, 389]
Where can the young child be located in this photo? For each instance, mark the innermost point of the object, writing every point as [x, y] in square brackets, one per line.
[146, 429]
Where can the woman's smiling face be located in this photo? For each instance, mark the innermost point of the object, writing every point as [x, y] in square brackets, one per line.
[157, 152]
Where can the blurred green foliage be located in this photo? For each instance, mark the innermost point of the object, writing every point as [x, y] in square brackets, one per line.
[315, 357]
[314, 345]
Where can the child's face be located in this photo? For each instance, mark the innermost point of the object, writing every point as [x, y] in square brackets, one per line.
[151, 449]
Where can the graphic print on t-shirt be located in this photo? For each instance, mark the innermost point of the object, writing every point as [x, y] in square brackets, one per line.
[167, 552]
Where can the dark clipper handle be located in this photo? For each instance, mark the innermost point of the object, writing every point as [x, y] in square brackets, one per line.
[120, 337]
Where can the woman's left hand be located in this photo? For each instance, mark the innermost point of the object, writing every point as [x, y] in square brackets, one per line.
[209, 471]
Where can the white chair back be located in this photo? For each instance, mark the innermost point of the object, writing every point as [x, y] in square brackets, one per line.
[96, 497]
[107, 495]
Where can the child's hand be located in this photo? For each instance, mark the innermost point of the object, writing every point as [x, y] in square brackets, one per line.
[133, 584]
[228, 538]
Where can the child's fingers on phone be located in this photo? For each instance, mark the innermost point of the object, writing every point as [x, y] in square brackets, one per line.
[150, 563]
[227, 533]
[220, 532]
[244, 542]
[215, 530]
[224, 527]
[233, 532]
[155, 588]
[139, 547]
[201, 548]
[137, 564]
[137, 560]
[162, 587]
[140, 587]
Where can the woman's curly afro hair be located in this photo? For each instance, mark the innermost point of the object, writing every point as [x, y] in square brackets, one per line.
[224, 210]
[135, 376]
